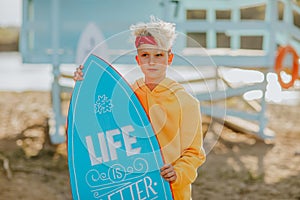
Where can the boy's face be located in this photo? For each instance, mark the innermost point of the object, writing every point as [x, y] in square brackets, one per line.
[153, 62]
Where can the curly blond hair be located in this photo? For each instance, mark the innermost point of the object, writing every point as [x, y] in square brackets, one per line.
[162, 32]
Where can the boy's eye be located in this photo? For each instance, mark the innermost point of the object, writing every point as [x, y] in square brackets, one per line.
[144, 55]
[159, 54]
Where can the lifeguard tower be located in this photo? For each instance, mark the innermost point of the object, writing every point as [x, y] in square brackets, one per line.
[51, 32]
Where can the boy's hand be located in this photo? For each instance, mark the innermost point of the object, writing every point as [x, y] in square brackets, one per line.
[78, 74]
[168, 173]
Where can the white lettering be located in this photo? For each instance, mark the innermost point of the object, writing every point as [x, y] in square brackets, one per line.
[142, 186]
[91, 150]
[108, 145]
[94, 160]
[149, 186]
[103, 147]
[139, 191]
[128, 140]
[112, 144]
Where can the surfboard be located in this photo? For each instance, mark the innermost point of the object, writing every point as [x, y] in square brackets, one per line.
[113, 152]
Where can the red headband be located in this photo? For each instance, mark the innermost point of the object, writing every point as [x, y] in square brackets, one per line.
[144, 40]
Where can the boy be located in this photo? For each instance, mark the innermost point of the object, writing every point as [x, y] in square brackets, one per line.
[174, 113]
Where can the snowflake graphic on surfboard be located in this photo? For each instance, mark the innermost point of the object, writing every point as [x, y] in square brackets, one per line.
[113, 152]
[103, 104]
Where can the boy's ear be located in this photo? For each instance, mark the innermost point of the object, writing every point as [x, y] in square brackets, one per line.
[137, 60]
[170, 58]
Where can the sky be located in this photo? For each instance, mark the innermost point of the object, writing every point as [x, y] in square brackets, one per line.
[10, 12]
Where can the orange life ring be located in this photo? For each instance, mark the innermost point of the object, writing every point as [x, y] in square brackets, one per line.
[282, 52]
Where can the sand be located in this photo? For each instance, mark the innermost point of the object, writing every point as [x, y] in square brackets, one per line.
[237, 167]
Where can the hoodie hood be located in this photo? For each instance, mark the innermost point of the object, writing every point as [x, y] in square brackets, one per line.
[165, 87]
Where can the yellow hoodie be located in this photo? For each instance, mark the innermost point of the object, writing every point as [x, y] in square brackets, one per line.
[176, 120]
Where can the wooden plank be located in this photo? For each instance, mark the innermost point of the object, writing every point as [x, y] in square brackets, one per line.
[248, 127]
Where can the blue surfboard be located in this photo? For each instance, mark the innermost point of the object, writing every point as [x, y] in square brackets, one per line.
[113, 152]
